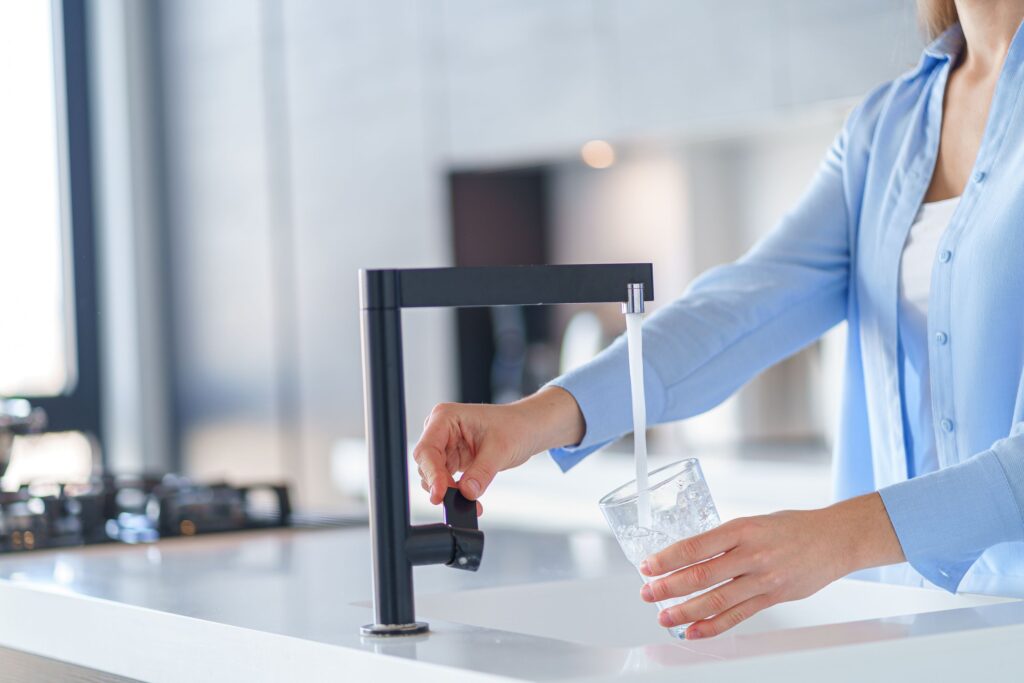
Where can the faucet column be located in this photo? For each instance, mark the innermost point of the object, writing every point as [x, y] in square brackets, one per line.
[384, 398]
[458, 543]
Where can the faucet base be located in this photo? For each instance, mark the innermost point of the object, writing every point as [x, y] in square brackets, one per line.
[391, 630]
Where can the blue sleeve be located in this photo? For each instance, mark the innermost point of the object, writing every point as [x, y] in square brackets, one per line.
[733, 321]
[945, 520]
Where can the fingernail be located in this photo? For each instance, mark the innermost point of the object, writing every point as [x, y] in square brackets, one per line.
[664, 619]
[645, 568]
[645, 593]
[473, 487]
[693, 634]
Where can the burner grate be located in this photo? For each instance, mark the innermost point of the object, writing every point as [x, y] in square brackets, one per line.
[136, 510]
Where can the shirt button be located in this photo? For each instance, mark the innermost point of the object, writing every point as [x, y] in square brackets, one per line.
[979, 176]
[945, 255]
[941, 338]
[947, 425]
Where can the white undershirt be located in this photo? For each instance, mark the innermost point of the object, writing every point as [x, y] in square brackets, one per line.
[915, 285]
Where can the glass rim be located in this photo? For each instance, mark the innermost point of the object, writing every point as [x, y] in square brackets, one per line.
[657, 478]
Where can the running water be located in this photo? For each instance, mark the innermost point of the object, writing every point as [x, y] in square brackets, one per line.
[636, 381]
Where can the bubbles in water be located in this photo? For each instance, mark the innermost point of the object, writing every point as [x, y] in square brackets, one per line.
[693, 513]
[637, 543]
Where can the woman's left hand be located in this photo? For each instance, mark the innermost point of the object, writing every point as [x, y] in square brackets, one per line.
[765, 560]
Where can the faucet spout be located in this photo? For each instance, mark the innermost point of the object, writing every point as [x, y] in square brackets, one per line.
[634, 299]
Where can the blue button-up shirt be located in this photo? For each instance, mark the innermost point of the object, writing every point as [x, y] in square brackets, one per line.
[836, 256]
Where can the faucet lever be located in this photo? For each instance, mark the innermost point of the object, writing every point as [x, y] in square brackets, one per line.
[468, 540]
[459, 511]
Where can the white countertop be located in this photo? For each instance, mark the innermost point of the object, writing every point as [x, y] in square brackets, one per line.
[287, 604]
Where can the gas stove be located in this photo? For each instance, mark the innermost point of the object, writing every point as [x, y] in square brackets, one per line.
[134, 510]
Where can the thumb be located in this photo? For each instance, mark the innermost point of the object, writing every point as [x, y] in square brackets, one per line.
[479, 475]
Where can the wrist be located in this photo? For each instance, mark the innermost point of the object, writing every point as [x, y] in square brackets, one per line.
[552, 417]
[866, 535]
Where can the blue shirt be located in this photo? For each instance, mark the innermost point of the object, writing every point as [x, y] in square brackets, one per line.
[835, 256]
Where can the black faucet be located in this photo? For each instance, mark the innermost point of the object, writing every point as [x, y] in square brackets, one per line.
[398, 546]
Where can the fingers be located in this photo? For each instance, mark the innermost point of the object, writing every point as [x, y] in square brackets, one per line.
[449, 443]
[430, 455]
[436, 477]
[728, 619]
[690, 550]
[694, 578]
[426, 487]
[715, 602]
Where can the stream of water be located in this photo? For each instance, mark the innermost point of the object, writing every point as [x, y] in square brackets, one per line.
[636, 382]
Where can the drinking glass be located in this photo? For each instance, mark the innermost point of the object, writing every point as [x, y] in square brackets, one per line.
[681, 506]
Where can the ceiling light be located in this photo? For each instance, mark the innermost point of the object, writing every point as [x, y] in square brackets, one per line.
[597, 154]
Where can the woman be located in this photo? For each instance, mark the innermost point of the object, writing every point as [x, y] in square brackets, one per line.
[913, 232]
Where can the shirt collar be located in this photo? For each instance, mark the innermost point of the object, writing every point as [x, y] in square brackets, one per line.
[948, 45]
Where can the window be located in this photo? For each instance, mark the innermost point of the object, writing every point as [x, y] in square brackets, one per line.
[35, 327]
[48, 337]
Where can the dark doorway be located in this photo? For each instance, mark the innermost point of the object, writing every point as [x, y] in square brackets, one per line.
[500, 218]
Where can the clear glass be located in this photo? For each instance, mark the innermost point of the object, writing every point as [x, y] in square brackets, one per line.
[681, 506]
[35, 328]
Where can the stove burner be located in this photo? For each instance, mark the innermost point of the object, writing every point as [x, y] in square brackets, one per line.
[134, 510]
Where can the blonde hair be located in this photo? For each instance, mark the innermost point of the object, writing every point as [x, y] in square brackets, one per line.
[936, 16]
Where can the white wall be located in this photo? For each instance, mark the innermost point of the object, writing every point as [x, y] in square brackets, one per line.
[367, 192]
[534, 78]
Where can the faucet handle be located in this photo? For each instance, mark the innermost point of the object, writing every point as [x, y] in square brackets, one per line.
[467, 539]
[459, 511]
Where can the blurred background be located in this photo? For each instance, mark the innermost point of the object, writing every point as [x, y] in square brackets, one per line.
[188, 188]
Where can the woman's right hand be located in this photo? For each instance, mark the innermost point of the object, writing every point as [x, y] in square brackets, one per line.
[481, 440]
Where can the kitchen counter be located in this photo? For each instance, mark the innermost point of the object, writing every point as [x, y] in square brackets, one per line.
[287, 605]
[21, 667]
